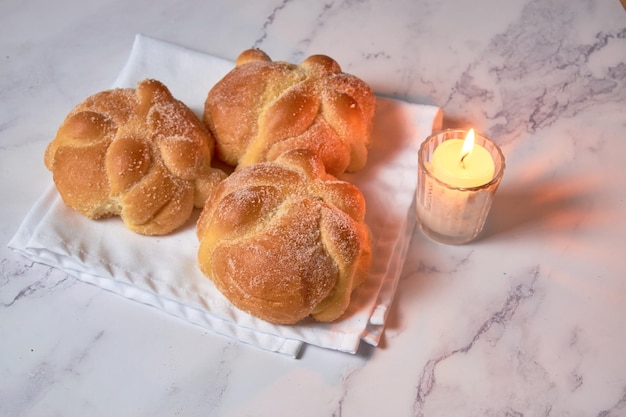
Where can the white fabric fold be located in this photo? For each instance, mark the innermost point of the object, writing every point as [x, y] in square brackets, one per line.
[162, 271]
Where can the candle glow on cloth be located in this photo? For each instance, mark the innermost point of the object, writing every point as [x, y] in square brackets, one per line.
[457, 179]
[462, 163]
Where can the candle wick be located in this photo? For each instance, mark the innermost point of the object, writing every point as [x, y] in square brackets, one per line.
[463, 159]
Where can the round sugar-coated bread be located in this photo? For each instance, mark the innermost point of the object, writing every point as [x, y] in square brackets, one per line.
[263, 108]
[137, 153]
[284, 240]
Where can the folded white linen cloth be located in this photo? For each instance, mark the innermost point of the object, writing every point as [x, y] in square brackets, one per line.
[162, 271]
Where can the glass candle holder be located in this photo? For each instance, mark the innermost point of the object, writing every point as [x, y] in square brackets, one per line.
[451, 214]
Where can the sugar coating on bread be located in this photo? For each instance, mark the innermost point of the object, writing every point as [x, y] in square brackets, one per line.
[284, 240]
[137, 153]
[263, 108]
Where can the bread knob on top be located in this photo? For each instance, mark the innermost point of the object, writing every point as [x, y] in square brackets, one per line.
[135, 153]
[284, 240]
[263, 108]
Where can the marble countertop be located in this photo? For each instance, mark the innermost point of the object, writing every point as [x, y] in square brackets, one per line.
[528, 320]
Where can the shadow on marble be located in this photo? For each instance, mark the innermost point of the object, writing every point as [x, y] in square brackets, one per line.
[457, 123]
[551, 206]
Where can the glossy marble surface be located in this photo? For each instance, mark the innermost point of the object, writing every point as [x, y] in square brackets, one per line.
[529, 320]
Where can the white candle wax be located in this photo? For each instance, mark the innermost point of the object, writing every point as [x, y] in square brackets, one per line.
[450, 166]
[456, 182]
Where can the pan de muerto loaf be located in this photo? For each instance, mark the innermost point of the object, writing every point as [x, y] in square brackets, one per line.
[283, 240]
[263, 108]
[137, 153]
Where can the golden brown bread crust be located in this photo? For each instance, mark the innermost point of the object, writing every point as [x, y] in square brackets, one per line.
[137, 153]
[283, 240]
[263, 108]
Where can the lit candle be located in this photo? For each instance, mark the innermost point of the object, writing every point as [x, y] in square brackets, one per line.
[457, 179]
[462, 163]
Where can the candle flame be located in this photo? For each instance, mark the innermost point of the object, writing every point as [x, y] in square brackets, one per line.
[468, 145]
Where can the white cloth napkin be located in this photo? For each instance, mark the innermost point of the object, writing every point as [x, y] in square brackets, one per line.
[162, 271]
